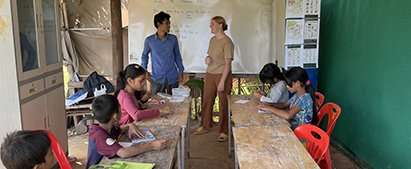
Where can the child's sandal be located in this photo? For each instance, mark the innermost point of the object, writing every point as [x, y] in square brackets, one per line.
[200, 130]
[223, 137]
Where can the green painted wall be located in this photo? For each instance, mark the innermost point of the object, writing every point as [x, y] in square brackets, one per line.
[365, 67]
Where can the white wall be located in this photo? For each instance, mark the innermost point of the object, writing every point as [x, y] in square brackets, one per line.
[9, 97]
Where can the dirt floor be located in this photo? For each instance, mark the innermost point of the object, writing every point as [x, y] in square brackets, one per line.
[205, 152]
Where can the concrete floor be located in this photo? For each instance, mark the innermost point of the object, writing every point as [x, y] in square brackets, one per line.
[205, 152]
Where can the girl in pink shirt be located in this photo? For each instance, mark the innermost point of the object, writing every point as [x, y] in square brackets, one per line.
[131, 79]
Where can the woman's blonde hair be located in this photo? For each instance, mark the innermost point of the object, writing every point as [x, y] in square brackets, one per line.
[221, 20]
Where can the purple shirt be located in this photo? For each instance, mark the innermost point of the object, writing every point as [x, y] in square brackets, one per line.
[131, 110]
[102, 144]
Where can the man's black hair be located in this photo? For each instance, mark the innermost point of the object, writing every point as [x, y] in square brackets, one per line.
[104, 107]
[159, 18]
[25, 149]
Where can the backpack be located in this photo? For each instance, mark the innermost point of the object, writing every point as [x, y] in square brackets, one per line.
[94, 82]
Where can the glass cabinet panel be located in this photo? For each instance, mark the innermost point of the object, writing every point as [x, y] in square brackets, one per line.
[50, 32]
[28, 38]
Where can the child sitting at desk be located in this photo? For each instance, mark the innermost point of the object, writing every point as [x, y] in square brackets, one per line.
[271, 74]
[131, 79]
[301, 105]
[27, 149]
[102, 137]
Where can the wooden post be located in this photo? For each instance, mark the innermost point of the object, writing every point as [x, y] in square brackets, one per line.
[117, 37]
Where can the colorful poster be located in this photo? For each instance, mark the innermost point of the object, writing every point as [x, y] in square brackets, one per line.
[293, 56]
[310, 55]
[294, 9]
[294, 32]
[311, 31]
[312, 7]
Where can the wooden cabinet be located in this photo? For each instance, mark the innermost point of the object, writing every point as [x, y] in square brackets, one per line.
[37, 37]
[39, 69]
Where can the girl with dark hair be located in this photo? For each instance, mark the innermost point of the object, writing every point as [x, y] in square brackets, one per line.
[301, 106]
[130, 80]
[272, 75]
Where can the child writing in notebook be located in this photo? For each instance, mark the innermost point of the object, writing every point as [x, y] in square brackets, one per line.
[102, 137]
[131, 79]
[27, 149]
[272, 75]
[301, 106]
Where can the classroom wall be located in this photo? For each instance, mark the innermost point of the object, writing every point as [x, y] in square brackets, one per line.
[364, 67]
[9, 101]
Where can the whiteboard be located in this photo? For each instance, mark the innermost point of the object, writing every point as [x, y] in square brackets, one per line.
[250, 26]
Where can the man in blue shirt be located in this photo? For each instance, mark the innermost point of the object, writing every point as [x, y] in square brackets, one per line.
[166, 62]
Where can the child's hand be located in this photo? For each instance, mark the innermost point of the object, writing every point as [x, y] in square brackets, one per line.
[166, 110]
[207, 60]
[134, 129]
[159, 144]
[154, 103]
[257, 94]
[263, 106]
[147, 95]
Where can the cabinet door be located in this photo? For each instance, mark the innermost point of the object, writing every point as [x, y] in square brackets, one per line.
[33, 114]
[56, 116]
[51, 29]
[27, 26]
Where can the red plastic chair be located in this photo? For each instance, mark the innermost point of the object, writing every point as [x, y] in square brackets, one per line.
[316, 139]
[58, 151]
[333, 111]
[319, 100]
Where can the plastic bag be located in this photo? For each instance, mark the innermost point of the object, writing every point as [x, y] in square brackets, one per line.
[100, 92]
[124, 165]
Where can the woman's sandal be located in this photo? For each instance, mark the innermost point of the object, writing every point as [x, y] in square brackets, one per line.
[200, 130]
[223, 137]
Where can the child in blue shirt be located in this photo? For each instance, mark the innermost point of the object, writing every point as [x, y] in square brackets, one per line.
[301, 107]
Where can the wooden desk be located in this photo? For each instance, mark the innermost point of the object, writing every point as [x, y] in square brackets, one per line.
[247, 115]
[270, 147]
[164, 159]
[180, 117]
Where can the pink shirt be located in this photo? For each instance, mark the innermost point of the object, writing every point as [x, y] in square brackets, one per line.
[131, 110]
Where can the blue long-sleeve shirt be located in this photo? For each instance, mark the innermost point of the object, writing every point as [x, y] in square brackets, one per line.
[165, 58]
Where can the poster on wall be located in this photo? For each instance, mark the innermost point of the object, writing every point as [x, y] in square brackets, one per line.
[294, 8]
[294, 31]
[293, 56]
[310, 56]
[312, 7]
[311, 30]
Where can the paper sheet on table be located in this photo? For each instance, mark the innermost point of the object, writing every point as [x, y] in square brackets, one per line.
[263, 111]
[241, 101]
[125, 144]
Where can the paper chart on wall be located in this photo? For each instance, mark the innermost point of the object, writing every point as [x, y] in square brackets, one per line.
[311, 31]
[294, 9]
[293, 56]
[312, 7]
[310, 55]
[294, 32]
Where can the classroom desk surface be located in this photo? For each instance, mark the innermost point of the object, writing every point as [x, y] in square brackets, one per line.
[164, 159]
[270, 147]
[247, 114]
[180, 117]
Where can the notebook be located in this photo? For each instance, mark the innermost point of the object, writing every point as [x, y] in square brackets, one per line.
[149, 136]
